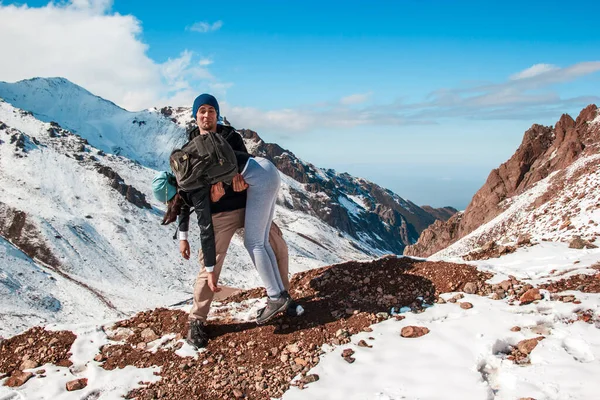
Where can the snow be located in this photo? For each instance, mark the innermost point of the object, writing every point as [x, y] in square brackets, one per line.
[462, 355]
[351, 206]
[360, 200]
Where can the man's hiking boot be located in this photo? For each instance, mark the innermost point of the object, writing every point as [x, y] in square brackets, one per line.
[197, 335]
[273, 308]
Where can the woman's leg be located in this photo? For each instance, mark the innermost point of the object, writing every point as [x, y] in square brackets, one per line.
[263, 185]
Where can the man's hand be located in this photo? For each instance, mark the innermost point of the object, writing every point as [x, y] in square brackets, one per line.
[212, 282]
[184, 249]
[239, 184]
[216, 192]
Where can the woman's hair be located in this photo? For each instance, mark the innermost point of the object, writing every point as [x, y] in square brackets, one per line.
[173, 209]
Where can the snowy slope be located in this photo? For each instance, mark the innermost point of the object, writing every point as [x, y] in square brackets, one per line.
[145, 136]
[115, 252]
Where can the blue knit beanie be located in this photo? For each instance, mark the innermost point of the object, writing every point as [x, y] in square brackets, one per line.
[163, 186]
[205, 98]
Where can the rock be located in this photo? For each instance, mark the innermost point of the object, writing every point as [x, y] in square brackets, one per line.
[488, 246]
[577, 243]
[148, 335]
[506, 285]
[301, 361]
[470, 288]
[77, 384]
[414, 331]
[515, 328]
[568, 299]
[237, 393]
[524, 240]
[119, 334]
[362, 343]
[293, 348]
[349, 359]
[284, 358]
[526, 346]
[441, 301]
[342, 333]
[28, 364]
[311, 378]
[18, 378]
[466, 305]
[530, 296]
[347, 352]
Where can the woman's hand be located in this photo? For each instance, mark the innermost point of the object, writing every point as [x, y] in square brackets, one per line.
[216, 192]
[212, 282]
[184, 249]
[239, 184]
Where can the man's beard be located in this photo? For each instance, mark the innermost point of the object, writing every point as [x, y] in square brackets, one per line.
[208, 126]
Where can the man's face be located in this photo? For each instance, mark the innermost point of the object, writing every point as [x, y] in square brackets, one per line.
[207, 118]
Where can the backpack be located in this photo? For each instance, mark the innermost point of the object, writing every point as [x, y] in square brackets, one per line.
[204, 160]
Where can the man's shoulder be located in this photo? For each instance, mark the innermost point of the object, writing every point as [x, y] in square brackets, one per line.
[226, 130]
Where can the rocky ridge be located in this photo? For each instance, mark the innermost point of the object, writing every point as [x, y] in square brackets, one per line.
[544, 152]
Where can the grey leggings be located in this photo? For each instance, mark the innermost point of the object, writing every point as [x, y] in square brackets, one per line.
[263, 182]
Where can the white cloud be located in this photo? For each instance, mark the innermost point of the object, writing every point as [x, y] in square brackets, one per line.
[534, 70]
[205, 62]
[204, 27]
[355, 98]
[83, 41]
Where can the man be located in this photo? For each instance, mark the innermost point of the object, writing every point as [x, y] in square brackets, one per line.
[227, 207]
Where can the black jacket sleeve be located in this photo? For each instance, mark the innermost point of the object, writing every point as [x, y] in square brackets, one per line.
[183, 221]
[201, 201]
[236, 142]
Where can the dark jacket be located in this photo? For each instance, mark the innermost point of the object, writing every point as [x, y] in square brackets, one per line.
[199, 199]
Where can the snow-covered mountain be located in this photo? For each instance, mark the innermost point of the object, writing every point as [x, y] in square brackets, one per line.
[82, 237]
[76, 205]
[547, 191]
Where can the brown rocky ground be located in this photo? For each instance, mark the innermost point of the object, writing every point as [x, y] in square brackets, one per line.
[244, 360]
[582, 282]
[33, 348]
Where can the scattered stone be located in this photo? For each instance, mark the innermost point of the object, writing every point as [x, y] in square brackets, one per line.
[28, 364]
[293, 348]
[568, 299]
[515, 328]
[148, 335]
[578, 243]
[301, 361]
[349, 359]
[526, 346]
[347, 352]
[76, 384]
[362, 343]
[18, 378]
[466, 305]
[310, 378]
[414, 331]
[119, 334]
[530, 296]
[470, 288]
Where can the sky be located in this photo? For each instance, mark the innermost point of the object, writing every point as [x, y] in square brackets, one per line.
[422, 97]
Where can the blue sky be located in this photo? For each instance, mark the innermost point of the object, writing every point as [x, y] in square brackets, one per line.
[422, 97]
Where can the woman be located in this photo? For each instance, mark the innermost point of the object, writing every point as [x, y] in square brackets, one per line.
[262, 181]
